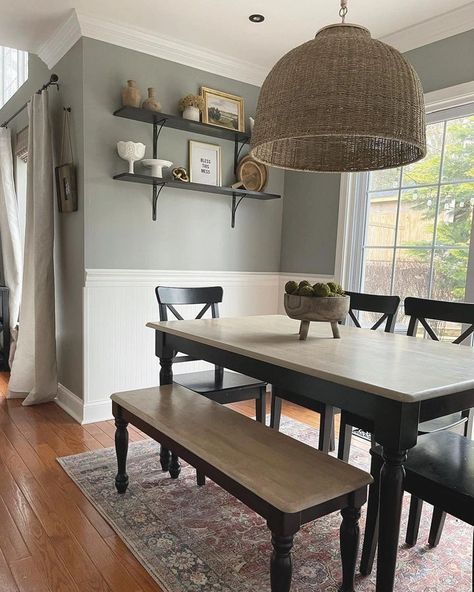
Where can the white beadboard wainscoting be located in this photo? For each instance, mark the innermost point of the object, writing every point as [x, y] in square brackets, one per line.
[119, 351]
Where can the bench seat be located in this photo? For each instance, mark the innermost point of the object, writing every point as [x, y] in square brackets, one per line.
[282, 479]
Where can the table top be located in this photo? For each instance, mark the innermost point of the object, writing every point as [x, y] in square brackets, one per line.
[398, 367]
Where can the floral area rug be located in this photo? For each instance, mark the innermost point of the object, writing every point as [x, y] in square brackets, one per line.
[194, 539]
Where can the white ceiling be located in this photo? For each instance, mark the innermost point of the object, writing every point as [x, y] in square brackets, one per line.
[222, 26]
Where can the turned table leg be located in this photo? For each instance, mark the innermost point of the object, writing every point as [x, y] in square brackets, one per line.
[281, 567]
[121, 449]
[392, 479]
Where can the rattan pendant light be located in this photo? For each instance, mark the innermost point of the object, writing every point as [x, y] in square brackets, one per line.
[340, 102]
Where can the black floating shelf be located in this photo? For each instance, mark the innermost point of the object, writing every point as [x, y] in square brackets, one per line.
[177, 122]
[158, 183]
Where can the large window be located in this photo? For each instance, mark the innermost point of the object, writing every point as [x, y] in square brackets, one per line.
[13, 72]
[416, 222]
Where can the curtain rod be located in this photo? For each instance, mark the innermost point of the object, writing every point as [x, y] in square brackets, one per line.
[53, 81]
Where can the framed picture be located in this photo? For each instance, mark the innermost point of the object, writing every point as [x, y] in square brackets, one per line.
[204, 163]
[223, 109]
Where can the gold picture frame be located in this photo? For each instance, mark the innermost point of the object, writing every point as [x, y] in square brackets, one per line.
[223, 109]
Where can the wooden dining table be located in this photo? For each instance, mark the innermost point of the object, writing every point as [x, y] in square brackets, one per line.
[393, 381]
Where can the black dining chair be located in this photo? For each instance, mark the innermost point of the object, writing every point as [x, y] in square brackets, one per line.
[434, 466]
[218, 384]
[387, 307]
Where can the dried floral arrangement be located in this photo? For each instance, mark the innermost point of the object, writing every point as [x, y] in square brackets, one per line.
[191, 101]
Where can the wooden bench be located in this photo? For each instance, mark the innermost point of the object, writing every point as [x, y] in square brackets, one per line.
[285, 481]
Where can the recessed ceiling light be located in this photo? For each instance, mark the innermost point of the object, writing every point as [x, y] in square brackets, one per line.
[256, 18]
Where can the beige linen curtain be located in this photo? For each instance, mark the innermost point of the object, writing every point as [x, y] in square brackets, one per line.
[34, 370]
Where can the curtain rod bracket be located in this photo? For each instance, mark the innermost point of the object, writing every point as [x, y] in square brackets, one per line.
[53, 81]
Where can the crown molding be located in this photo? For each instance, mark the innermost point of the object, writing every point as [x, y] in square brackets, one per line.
[61, 41]
[434, 29]
[171, 49]
[446, 98]
[81, 24]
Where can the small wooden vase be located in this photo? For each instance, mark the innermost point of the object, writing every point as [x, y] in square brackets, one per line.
[151, 104]
[131, 96]
[307, 309]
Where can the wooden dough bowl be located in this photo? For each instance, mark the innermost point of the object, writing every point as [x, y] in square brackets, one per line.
[312, 308]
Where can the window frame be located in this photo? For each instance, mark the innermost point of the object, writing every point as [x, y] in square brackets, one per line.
[21, 75]
[353, 205]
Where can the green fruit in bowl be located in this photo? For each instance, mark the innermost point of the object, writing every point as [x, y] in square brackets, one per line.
[321, 290]
[332, 287]
[304, 283]
[291, 287]
[306, 291]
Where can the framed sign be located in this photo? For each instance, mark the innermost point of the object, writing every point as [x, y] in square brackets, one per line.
[204, 163]
[223, 109]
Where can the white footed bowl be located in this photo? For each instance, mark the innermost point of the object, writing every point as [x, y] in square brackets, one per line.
[156, 165]
[131, 151]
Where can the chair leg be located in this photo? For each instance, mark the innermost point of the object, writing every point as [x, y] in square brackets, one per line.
[416, 505]
[281, 565]
[275, 414]
[345, 437]
[437, 524]
[175, 467]
[200, 478]
[372, 521]
[469, 424]
[349, 541]
[261, 406]
[325, 428]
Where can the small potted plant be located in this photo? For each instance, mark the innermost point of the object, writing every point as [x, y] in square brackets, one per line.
[321, 302]
[191, 106]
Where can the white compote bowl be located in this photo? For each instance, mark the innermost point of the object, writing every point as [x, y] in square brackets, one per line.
[131, 151]
[156, 165]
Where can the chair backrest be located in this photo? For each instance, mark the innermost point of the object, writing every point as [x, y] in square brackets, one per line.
[208, 297]
[421, 309]
[386, 306]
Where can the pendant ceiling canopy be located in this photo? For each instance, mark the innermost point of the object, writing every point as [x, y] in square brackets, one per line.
[340, 102]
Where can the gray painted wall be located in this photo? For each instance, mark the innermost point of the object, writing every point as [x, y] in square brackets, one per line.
[193, 229]
[312, 199]
[69, 228]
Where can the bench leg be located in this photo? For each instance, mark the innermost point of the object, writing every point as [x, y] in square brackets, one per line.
[345, 438]
[121, 449]
[416, 506]
[281, 567]
[372, 519]
[275, 415]
[326, 427]
[261, 406]
[175, 467]
[349, 541]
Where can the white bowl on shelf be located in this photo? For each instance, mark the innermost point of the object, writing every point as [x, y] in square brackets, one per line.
[156, 165]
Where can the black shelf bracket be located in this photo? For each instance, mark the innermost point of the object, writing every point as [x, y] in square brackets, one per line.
[156, 194]
[235, 204]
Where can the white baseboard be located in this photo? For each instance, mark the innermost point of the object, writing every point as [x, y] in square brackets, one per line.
[70, 403]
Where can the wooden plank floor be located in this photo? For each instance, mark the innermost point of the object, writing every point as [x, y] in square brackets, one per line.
[51, 538]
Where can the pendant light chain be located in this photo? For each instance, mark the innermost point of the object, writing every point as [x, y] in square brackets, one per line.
[343, 10]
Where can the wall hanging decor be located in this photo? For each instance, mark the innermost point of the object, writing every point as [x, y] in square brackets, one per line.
[131, 95]
[191, 106]
[131, 152]
[340, 102]
[151, 103]
[204, 163]
[223, 109]
[66, 184]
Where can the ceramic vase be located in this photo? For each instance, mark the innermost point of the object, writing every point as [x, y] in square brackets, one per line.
[152, 104]
[191, 113]
[131, 94]
[131, 151]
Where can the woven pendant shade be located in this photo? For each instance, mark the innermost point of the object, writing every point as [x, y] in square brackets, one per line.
[340, 102]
